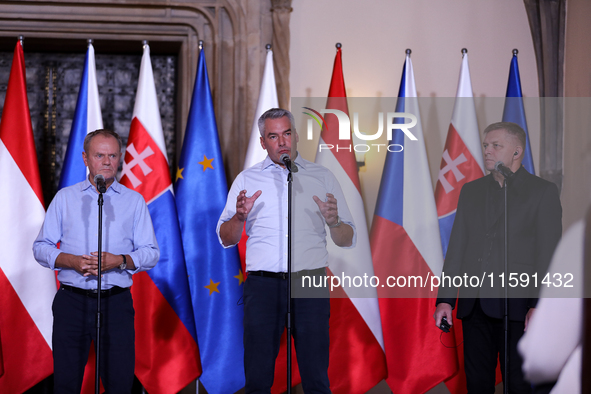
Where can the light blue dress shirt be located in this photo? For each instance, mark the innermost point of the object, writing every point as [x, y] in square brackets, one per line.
[266, 224]
[72, 221]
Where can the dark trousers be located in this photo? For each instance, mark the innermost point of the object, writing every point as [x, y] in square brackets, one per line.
[265, 309]
[484, 340]
[74, 327]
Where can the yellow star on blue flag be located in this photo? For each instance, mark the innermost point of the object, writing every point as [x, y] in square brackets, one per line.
[240, 277]
[206, 163]
[212, 286]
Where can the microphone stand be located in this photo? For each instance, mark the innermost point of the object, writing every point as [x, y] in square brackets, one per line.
[506, 303]
[98, 294]
[288, 322]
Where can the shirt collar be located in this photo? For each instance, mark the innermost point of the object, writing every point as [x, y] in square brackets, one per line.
[515, 183]
[116, 186]
[299, 161]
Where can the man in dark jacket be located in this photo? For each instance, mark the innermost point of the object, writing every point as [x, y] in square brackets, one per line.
[476, 250]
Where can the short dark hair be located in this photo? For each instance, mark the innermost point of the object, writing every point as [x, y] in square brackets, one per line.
[512, 128]
[103, 132]
[275, 113]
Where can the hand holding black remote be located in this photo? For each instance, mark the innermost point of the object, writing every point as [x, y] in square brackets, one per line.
[444, 326]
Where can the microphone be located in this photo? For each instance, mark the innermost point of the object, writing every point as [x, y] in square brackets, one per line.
[286, 160]
[503, 170]
[101, 185]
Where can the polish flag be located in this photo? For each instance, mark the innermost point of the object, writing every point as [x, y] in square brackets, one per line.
[255, 152]
[267, 100]
[461, 162]
[167, 356]
[26, 288]
[405, 242]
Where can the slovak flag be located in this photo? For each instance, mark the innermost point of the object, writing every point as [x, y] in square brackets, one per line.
[461, 162]
[167, 356]
[405, 242]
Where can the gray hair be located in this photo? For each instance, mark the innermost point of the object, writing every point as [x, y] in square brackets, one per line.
[512, 128]
[103, 132]
[275, 113]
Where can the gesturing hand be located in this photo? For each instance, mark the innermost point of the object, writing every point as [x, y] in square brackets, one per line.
[328, 208]
[244, 204]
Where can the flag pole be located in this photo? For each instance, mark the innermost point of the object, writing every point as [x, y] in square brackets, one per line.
[464, 51]
[197, 381]
[97, 367]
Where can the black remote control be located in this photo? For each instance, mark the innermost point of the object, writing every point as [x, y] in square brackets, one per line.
[444, 326]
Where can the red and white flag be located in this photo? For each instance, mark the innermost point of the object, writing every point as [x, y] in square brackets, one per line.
[267, 100]
[357, 359]
[255, 152]
[26, 288]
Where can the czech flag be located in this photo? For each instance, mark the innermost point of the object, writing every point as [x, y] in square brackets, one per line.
[87, 118]
[405, 242]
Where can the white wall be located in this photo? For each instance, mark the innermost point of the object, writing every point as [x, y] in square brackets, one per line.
[375, 35]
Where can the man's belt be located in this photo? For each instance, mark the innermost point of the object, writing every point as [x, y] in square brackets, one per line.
[283, 275]
[93, 293]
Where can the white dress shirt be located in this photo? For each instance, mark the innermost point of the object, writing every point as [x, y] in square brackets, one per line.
[266, 224]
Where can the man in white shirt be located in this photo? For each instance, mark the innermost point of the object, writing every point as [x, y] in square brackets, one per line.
[258, 202]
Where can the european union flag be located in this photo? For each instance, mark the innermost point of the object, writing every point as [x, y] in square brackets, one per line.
[215, 276]
[514, 111]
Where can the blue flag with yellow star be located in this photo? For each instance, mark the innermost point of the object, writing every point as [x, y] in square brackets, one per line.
[215, 276]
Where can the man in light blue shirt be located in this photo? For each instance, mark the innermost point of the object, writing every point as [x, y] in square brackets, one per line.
[129, 246]
[318, 202]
